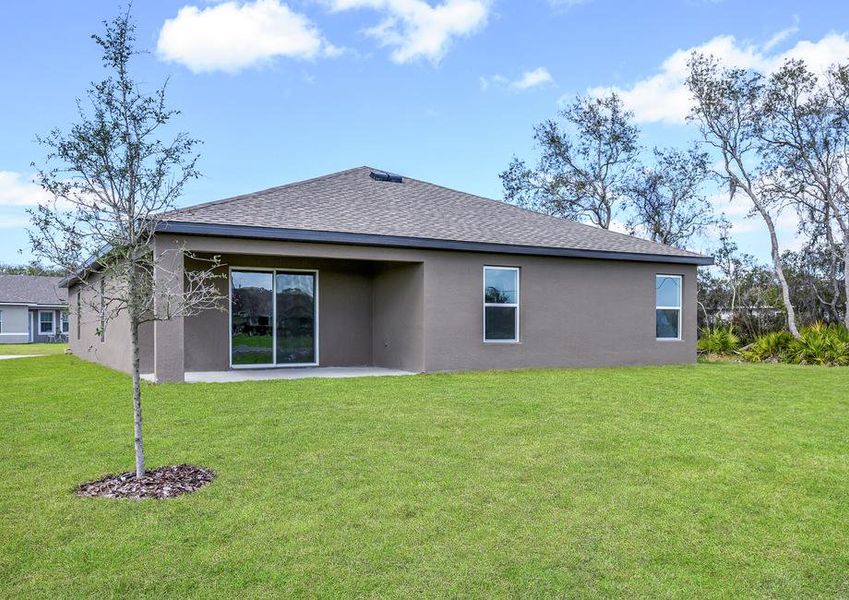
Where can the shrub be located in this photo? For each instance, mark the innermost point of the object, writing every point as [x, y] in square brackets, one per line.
[821, 344]
[772, 346]
[718, 340]
[818, 344]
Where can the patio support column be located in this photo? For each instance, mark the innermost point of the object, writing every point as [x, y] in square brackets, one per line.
[168, 336]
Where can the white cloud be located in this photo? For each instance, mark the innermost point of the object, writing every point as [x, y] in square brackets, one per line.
[618, 226]
[566, 4]
[782, 35]
[663, 97]
[415, 29]
[232, 36]
[527, 80]
[18, 190]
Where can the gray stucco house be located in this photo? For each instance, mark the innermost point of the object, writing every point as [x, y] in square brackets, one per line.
[32, 309]
[363, 268]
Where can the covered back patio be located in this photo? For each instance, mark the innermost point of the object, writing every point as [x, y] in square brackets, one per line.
[296, 316]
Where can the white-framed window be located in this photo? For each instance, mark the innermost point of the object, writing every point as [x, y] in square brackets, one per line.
[45, 322]
[668, 290]
[501, 304]
[1, 321]
[64, 322]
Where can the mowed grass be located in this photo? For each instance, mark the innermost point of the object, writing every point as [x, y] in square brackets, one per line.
[709, 480]
[24, 349]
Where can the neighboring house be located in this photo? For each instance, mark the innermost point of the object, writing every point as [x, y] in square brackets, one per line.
[32, 309]
[363, 268]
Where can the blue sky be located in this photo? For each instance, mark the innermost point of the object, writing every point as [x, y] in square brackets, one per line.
[441, 90]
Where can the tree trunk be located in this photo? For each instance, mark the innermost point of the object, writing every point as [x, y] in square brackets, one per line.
[845, 280]
[137, 411]
[779, 271]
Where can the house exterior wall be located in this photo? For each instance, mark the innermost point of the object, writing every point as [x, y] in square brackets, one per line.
[573, 312]
[113, 350]
[39, 337]
[20, 324]
[398, 309]
[15, 324]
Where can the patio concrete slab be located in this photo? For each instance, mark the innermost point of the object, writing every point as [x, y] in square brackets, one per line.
[286, 373]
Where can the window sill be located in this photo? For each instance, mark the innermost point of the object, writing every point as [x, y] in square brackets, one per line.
[502, 342]
[669, 339]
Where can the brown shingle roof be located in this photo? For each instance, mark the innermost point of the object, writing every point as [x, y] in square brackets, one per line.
[353, 202]
[32, 289]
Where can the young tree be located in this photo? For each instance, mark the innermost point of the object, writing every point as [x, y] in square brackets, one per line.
[667, 200]
[729, 112]
[111, 176]
[585, 163]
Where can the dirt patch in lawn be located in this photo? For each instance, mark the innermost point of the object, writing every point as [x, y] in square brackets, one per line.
[164, 482]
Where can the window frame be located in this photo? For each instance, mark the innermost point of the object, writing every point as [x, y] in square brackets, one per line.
[1, 321]
[273, 271]
[679, 308]
[516, 305]
[52, 330]
[64, 322]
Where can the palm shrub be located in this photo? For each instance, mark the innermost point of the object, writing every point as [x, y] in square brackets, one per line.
[821, 344]
[718, 340]
[818, 344]
[772, 346]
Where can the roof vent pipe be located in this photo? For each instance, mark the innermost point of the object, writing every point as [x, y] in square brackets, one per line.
[386, 176]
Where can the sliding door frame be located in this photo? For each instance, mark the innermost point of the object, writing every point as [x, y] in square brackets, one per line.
[273, 271]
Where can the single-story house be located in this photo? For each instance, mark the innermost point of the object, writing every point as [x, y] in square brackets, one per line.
[32, 309]
[366, 268]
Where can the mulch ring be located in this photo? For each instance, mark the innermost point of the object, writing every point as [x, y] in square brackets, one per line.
[164, 482]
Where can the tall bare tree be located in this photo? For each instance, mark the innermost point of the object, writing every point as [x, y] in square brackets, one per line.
[668, 201]
[111, 176]
[584, 166]
[729, 112]
[806, 140]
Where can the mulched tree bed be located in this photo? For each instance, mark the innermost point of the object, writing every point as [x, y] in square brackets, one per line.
[164, 482]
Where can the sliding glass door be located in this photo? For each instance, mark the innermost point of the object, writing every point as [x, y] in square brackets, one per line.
[252, 318]
[295, 318]
[273, 318]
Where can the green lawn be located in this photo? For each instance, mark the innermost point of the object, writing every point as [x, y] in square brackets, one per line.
[7, 349]
[710, 480]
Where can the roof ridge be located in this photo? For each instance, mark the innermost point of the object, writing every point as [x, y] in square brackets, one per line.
[540, 214]
[263, 191]
[30, 276]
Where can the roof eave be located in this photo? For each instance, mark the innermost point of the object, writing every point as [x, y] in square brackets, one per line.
[364, 239]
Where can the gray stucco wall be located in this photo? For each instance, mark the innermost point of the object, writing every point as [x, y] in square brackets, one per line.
[15, 324]
[398, 308]
[114, 350]
[574, 312]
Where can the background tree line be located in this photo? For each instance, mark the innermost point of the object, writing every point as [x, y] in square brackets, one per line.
[779, 142]
[32, 268]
